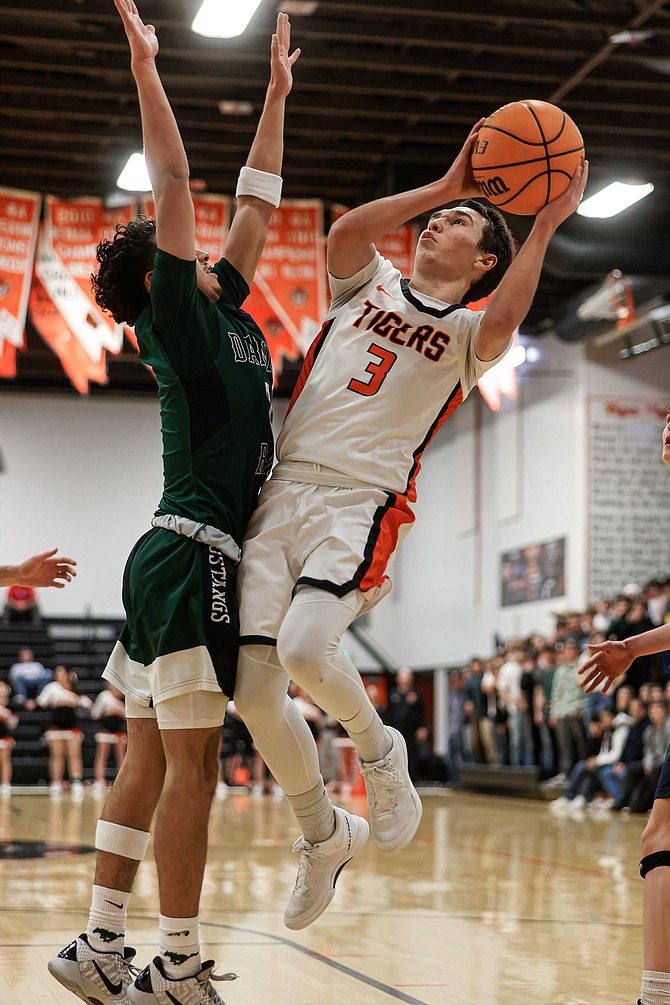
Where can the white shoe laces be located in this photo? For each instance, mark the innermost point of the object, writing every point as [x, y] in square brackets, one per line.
[383, 781]
[310, 855]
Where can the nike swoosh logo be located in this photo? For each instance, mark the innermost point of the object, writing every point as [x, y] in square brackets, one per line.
[114, 989]
[382, 290]
[114, 904]
[172, 998]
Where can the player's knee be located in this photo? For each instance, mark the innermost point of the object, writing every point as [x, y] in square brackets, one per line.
[302, 660]
[261, 683]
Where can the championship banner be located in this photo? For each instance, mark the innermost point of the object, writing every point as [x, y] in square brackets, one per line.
[62, 305]
[212, 221]
[287, 297]
[19, 221]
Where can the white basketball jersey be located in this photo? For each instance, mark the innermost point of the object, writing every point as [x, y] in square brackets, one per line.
[388, 367]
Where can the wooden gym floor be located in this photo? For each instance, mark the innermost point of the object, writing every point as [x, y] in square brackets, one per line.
[496, 901]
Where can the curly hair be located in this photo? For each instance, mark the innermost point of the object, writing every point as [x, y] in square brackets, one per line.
[496, 240]
[124, 261]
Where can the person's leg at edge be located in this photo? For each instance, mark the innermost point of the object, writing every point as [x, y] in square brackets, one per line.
[128, 811]
[655, 913]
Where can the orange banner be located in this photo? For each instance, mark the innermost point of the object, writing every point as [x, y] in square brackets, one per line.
[288, 295]
[19, 221]
[62, 305]
[212, 220]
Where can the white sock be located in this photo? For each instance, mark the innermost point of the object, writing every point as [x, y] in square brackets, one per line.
[374, 743]
[655, 988]
[180, 946]
[314, 812]
[106, 927]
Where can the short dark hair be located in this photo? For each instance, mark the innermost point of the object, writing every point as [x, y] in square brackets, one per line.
[497, 239]
[123, 262]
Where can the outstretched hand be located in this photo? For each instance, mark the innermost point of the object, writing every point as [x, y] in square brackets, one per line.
[281, 60]
[46, 570]
[609, 660]
[142, 37]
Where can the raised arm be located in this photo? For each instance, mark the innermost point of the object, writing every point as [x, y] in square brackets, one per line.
[249, 229]
[163, 148]
[351, 238]
[511, 301]
[40, 570]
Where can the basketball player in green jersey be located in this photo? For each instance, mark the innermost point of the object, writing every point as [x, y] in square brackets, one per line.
[176, 656]
[610, 660]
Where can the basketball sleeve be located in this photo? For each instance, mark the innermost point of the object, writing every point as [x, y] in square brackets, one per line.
[342, 290]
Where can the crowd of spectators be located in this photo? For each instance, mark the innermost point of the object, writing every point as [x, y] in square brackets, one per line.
[524, 707]
[30, 687]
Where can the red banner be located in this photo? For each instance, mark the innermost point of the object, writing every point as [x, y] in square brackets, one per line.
[288, 295]
[19, 220]
[212, 220]
[62, 305]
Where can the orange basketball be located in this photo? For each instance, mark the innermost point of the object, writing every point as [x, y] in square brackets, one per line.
[525, 155]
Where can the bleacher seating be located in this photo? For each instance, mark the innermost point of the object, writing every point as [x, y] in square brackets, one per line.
[83, 645]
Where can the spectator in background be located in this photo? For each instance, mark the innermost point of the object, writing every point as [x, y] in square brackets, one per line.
[637, 620]
[496, 716]
[457, 735]
[26, 678]
[620, 778]
[602, 618]
[8, 722]
[21, 605]
[512, 699]
[109, 709]
[655, 746]
[474, 708]
[582, 779]
[575, 630]
[406, 713]
[545, 669]
[63, 734]
[617, 625]
[565, 711]
[654, 595]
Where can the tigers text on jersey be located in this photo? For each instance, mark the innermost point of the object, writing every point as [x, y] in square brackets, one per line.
[388, 367]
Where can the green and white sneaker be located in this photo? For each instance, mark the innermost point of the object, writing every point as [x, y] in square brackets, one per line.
[154, 987]
[95, 977]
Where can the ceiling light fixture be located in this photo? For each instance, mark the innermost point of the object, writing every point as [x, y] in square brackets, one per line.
[224, 18]
[135, 177]
[614, 199]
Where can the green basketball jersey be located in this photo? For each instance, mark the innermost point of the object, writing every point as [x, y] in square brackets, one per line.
[214, 375]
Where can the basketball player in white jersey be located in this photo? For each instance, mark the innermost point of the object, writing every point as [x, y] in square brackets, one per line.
[393, 360]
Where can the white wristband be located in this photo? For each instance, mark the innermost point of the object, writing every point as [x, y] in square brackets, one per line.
[260, 184]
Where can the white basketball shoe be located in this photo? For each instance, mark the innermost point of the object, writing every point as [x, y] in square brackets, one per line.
[395, 807]
[320, 865]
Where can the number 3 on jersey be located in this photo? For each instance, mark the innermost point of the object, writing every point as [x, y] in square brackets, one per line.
[377, 371]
